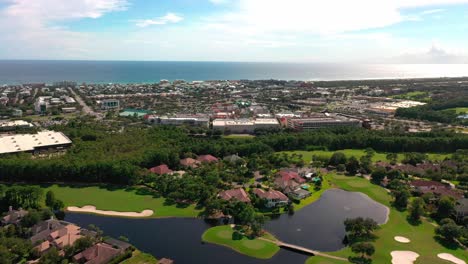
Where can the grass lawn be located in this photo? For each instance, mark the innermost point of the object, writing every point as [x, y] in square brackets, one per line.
[421, 236]
[315, 194]
[416, 96]
[459, 110]
[358, 153]
[139, 257]
[257, 248]
[118, 199]
[239, 136]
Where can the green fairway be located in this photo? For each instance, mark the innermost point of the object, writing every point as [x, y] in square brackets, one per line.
[234, 136]
[358, 153]
[139, 257]
[459, 110]
[421, 236]
[257, 248]
[415, 96]
[118, 199]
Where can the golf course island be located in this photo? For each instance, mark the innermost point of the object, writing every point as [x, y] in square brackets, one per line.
[262, 247]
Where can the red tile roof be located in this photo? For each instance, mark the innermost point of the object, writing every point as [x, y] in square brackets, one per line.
[97, 254]
[207, 158]
[272, 194]
[237, 194]
[161, 169]
[291, 175]
[189, 162]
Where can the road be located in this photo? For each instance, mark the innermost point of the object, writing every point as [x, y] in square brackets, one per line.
[85, 108]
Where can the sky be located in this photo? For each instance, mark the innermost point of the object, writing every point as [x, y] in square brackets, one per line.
[335, 31]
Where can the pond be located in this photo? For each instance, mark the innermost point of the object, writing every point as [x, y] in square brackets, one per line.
[318, 226]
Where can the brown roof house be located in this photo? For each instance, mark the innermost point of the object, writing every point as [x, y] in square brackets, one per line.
[97, 254]
[274, 198]
[13, 216]
[437, 188]
[189, 162]
[59, 238]
[236, 194]
[161, 169]
[207, 159]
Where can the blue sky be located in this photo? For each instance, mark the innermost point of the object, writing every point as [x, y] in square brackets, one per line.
[370, 31]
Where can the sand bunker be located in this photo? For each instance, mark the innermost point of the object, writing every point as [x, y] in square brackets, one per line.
[402, 239]
[404, 257]
[92, 209]
[451, 258]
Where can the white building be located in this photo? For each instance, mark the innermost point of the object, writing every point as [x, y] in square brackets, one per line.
[179, 120]
[11, 125]
[239, 126]
[44, 140]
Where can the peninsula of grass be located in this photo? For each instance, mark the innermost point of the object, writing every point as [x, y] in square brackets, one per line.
[358, 153]
[118, 199]
[316, 194]
[421, 236]
[139, 257]
[256, 248]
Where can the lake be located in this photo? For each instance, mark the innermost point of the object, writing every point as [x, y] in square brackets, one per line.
[318, 226]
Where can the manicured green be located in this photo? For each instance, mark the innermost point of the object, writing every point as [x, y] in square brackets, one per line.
[421, 236]
[118, 199]
[459, 110]
[416, 96]
[358, 153]
[139, 257]
[235, 136]
[257, 248]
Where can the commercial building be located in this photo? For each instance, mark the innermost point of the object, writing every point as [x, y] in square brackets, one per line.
[107, 104]
[44, 140]
[201, 121]
[12, 125]
[301, 124]
[239, 126]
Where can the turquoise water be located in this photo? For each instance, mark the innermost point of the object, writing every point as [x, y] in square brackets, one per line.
[23, 71]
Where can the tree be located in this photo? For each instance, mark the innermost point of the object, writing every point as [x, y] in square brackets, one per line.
[51, 257]
[366, 249]
[50, 199]
[378, 175]
[417, 208]
[32, 218]
[337, 158]
[352, 166]
[392, 158]
[449, 230]
[446, 207]
[401, 197]
[360, 229]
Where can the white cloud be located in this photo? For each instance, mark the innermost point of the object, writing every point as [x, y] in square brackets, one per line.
[318, 17]
[169, 18]
[31, 28]
[435, 55]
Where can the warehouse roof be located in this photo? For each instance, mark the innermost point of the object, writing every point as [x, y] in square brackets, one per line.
[29, 142]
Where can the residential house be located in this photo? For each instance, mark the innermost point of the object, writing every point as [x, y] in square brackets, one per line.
[207, 159]
[13, 216]
[59, 238]
[299, 194]
[236, 194]
[161, 169]
[189, 162]
[274, 198]
[233, 159]
[97, 254]
[165, 261]
[437, 188]
[291, 175]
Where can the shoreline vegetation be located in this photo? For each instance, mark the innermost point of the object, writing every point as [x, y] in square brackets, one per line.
[262, 247]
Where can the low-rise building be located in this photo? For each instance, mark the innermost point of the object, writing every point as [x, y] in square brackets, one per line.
[13, 216]
[107, 104]
[244, 126]
[274, 198]
[235, 194]
[304, 124]
[44, 140]
[201, 121]
[12, 125]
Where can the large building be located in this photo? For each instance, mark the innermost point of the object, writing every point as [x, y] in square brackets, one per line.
[301, 124]
[239, 126]
[201, 121]
[107, 104]
[12, 125]
[41, 141]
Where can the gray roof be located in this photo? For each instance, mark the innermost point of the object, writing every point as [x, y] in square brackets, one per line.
[462, 205]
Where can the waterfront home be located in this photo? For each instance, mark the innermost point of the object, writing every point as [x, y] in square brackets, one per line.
[287, 175]
[274, 198]
[235, 194]
[161, 169]
[60, 238]
[189, 162]
[97, 254]
[165, 261]
[207, 159]
[299, 194]
[13, 216]
[42, 230]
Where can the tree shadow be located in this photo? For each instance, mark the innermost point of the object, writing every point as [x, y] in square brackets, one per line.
[450, 244]
[413, 222]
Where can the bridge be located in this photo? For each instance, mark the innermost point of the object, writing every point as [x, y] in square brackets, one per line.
[303, 250]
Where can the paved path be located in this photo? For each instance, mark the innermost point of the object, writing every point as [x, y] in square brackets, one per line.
[85, 108]
[303, 249]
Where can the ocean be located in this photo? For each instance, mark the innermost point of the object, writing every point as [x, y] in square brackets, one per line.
[24, 71]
